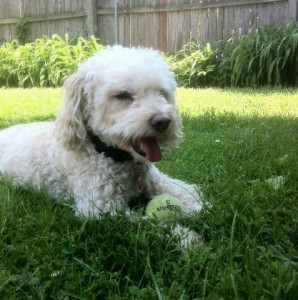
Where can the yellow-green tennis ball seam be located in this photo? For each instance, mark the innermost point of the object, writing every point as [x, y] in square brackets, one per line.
[164, 207]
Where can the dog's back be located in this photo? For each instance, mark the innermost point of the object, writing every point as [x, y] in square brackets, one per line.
[17, 145]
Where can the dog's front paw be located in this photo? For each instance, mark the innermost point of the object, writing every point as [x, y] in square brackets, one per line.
[187, 236]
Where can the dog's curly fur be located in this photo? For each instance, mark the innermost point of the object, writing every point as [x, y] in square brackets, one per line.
[122, 97]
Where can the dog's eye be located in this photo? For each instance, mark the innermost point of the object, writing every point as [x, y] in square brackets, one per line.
[164, 93]
[124, 96]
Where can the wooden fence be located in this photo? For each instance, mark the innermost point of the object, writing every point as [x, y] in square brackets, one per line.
[163, 24]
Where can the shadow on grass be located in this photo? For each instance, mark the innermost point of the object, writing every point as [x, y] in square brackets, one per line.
[245, 147]
[236, 160]
[250, 232]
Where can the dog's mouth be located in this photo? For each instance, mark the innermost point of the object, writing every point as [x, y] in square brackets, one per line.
[149, 148]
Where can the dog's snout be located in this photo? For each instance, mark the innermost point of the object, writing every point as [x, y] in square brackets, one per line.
[160, 122]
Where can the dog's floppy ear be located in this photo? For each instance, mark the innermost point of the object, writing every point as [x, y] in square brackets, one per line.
[69, 127]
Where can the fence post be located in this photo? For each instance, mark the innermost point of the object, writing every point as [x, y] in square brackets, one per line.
[293, 9]
[91, 16]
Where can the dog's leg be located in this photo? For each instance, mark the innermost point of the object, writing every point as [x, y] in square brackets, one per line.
[189, 195]
[91, 199]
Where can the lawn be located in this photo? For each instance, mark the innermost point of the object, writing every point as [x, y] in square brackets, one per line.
[240, 147]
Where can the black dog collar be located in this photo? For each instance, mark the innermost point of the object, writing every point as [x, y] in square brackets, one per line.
[117, 154]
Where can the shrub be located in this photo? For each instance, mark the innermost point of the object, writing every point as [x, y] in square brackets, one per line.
[22, 31]
[266, 57]
[193, 66]
[43, 63]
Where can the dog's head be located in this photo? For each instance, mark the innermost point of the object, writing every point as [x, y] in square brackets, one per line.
[125, 97]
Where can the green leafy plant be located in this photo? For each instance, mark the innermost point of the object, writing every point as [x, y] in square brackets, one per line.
[23, 30]
[194, 66]
[266, 57]
[45, 62]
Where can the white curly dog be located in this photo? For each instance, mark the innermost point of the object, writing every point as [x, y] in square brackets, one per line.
[118, 112]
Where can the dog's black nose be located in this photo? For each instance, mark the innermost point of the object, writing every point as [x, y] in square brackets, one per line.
[160, 122]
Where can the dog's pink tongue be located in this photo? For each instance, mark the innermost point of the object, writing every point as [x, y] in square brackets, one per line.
[151, 149]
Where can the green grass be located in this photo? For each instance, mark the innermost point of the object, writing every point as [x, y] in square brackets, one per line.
[235, 140]
[28, 105]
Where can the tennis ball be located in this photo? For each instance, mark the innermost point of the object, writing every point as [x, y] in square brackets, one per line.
[164, 207]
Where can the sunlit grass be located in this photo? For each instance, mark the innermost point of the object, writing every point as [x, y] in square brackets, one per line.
[23, 104]
[242, 102]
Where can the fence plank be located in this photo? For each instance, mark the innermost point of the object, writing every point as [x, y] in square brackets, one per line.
[212, 25]
[106, 24]
[90, 7]
[203, 37]
[279, 8]
[194, 23]
[124, 23]
[292, 10]
[162, 27]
